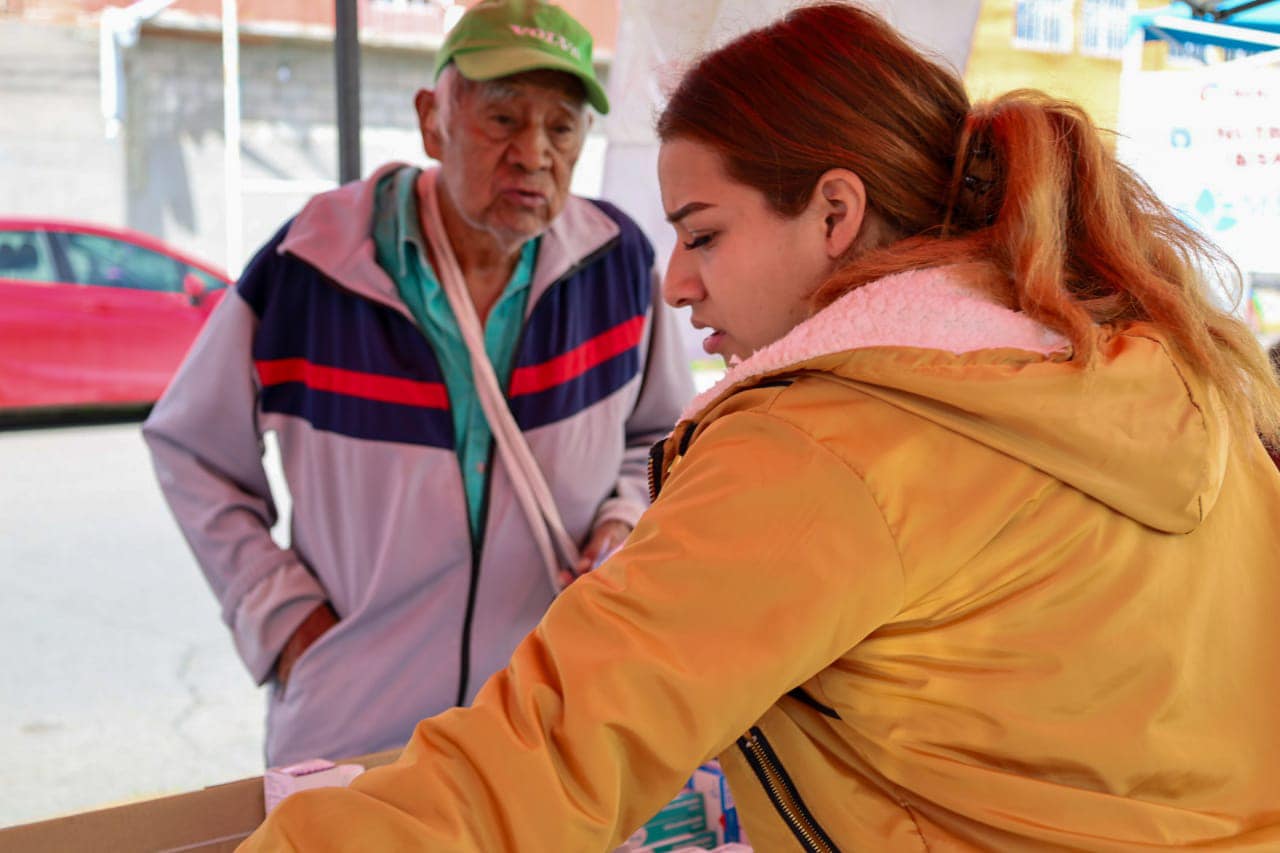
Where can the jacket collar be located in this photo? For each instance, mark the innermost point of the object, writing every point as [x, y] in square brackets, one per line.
[926, 309]
[1137, 430]
[333, 234]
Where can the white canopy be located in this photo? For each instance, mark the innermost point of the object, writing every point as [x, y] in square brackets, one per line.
[657, 38]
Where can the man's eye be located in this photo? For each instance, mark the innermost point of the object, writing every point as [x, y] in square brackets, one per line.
[698, 242]
[502, 120]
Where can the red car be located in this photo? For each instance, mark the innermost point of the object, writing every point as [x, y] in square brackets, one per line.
[93, 315]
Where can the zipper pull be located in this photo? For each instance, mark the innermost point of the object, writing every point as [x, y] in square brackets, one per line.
[655, 469]
[657, 455]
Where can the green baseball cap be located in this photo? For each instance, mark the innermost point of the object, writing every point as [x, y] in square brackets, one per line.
[497, 38]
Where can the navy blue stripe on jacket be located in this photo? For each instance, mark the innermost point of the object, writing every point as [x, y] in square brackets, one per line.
[610, 288]
[302, 314]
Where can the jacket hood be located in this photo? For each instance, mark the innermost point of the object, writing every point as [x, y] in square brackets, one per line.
[333, 233]
[1136, 430]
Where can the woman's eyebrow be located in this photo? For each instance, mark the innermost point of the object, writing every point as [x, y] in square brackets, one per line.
[691, 207]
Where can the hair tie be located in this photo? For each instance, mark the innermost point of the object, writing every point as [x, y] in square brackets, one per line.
[973, 205]
[976, 185]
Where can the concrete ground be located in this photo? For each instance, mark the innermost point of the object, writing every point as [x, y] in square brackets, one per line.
[119, 680]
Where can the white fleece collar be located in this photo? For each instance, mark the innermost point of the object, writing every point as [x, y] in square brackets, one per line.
[927, 309]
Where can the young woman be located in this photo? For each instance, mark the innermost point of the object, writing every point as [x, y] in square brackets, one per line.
[972, 549]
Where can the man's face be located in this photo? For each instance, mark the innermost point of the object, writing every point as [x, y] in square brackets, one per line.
[507, 148]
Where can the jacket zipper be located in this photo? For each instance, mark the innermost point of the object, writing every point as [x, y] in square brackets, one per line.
[477, 541]
[783, 794]
[477, 546]
[464, 653]
[657, 457]
[802, 695]
[655, 469]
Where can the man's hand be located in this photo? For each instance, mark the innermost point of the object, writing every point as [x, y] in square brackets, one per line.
[607, 536]
[317, 622]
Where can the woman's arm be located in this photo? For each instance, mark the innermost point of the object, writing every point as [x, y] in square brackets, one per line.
[763, 560]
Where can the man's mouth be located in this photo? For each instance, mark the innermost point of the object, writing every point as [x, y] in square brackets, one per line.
[524, 198]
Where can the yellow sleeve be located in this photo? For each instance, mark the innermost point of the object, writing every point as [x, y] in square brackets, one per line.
[763, 560]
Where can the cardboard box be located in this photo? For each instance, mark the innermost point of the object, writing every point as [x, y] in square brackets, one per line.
[213, 820]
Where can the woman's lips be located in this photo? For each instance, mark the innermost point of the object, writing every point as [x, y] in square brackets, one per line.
[712, 343]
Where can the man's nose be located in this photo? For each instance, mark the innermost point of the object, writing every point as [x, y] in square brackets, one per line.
[681, 285]
[530, 148]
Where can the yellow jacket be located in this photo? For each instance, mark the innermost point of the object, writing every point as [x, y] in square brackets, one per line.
[922, 583]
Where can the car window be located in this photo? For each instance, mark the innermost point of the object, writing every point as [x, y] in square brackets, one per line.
[210, 282]
[115, 263]
[25, 255]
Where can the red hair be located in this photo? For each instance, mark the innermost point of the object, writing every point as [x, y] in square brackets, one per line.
[1022, 186]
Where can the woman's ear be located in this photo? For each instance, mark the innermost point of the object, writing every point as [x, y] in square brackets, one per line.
[841, 200]
[424, 102]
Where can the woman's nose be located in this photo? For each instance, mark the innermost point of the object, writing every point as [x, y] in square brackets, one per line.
[680, 285]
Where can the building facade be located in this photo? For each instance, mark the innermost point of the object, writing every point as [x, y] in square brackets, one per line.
[162, 171]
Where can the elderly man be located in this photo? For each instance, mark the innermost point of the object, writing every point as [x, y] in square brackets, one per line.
[412, 572]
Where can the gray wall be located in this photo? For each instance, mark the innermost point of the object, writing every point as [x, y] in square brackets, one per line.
[164, 174]
[54, 160]
[174, 168]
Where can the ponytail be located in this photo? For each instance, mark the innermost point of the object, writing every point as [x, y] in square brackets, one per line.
[1077, 241]
[1021, 189]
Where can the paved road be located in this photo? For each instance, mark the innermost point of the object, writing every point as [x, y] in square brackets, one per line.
[119, 680]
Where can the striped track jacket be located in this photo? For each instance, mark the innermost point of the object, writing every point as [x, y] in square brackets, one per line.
[315, 345]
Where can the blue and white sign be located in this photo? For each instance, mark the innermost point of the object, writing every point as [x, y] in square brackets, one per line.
[1208, 143]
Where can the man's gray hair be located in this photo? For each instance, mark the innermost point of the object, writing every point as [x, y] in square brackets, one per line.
[452, 87]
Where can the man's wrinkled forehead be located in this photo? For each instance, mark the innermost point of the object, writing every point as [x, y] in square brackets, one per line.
[565, 87]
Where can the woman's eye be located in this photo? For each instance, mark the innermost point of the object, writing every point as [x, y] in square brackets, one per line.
[698, 242]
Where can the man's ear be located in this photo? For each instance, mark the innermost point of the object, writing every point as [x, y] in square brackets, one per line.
[841, 201]
[427, 107]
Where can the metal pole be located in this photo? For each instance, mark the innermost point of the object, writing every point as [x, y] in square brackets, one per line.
[1220, 14]
[346, 53]
[231, 136]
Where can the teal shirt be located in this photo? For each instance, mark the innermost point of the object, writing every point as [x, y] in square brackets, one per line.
[401, 252]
